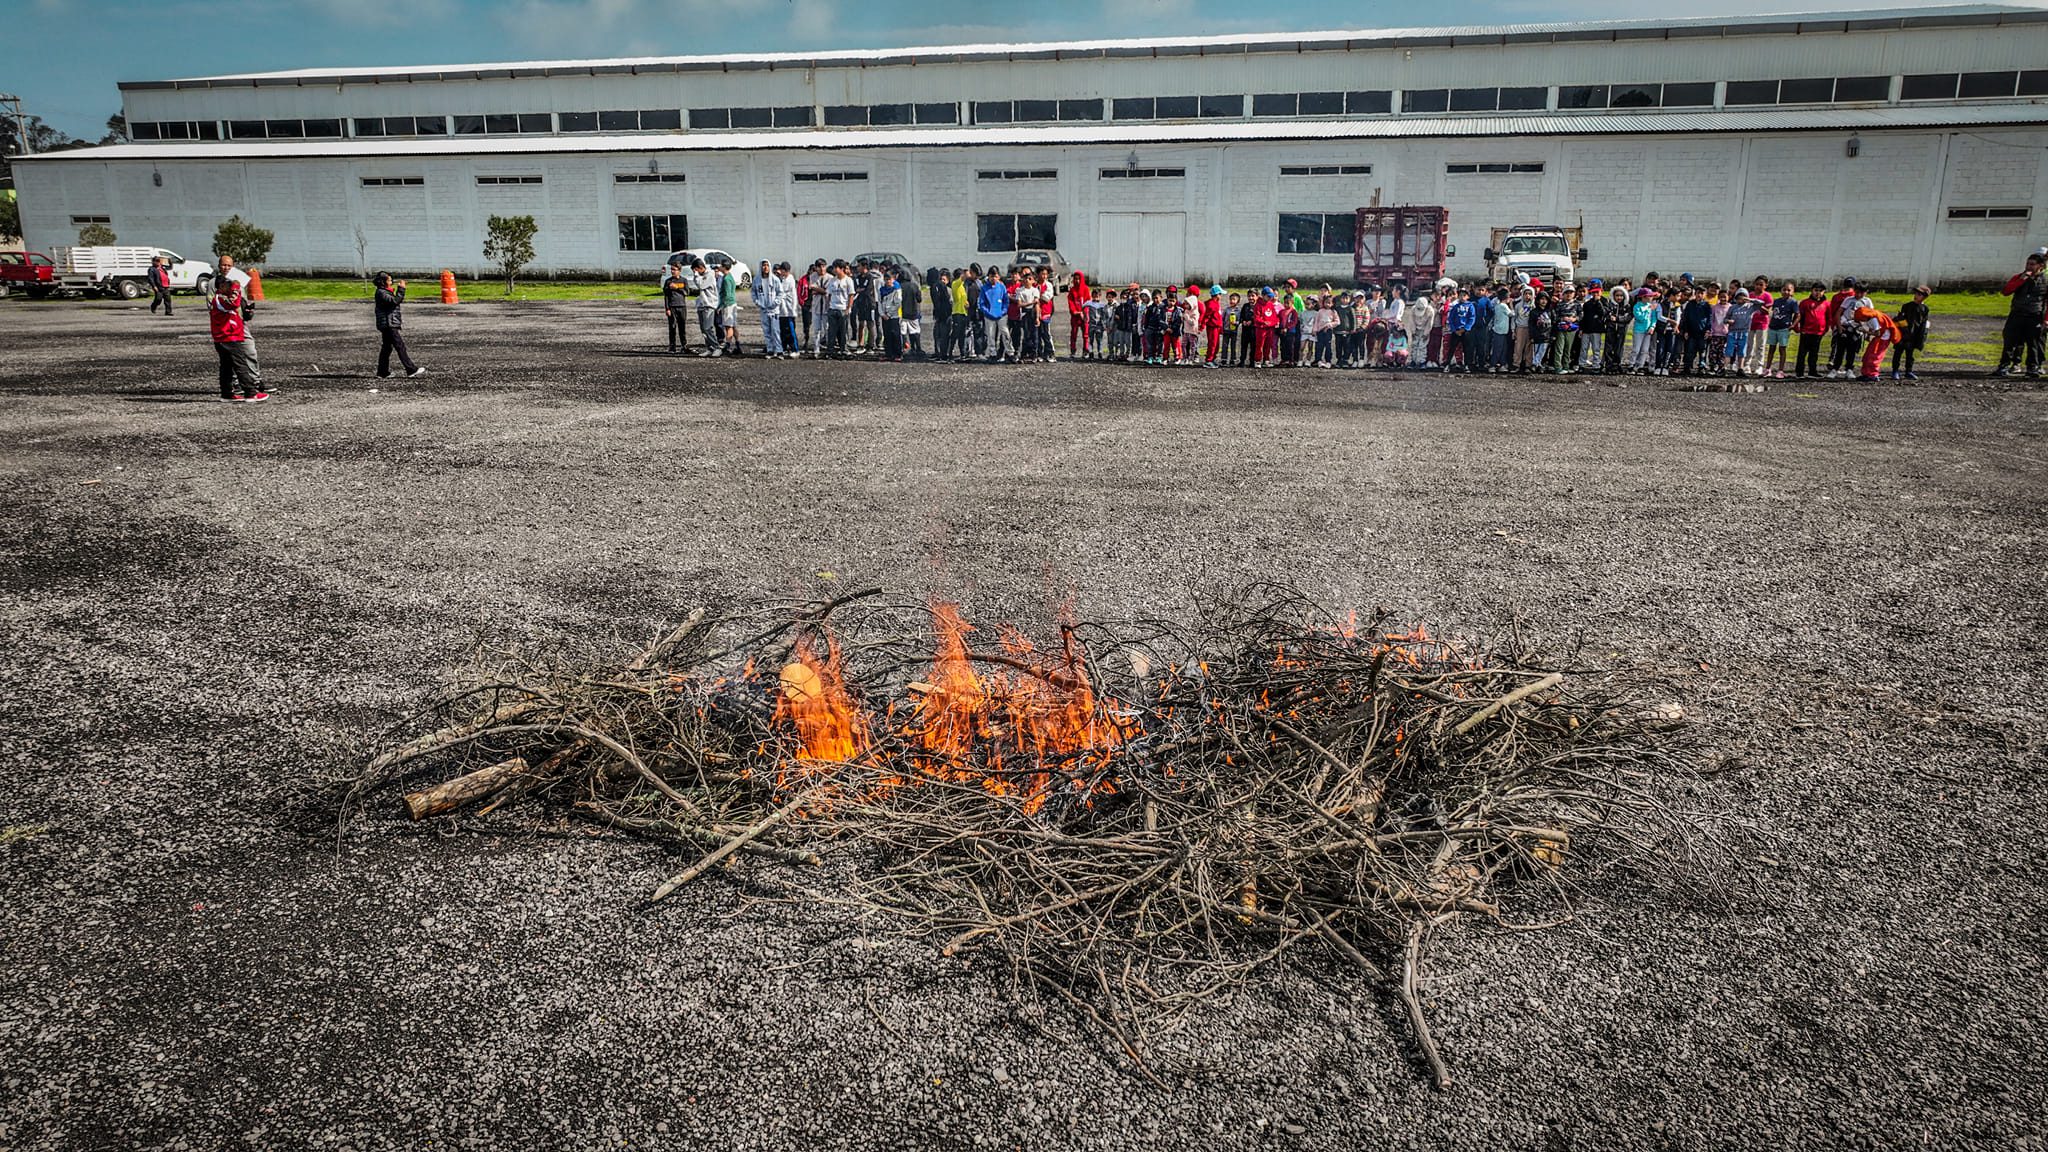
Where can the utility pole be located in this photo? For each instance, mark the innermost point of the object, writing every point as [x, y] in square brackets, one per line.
[20, 125]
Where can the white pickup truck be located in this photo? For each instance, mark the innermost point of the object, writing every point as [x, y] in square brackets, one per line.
[121, 270]
[1543, 251]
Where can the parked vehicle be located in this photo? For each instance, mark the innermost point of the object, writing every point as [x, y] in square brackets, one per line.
[30, 272]
[742, 272]
[120, 270]
[895, 260]
[1032, 259]
[1402, 246]
[1544, 252]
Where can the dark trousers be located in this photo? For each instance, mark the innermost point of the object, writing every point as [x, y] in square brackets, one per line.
[1695, 347]
[394, 341]
[160, 296]
[1902, 358]
[2023, 340]
[1842, 353]
[787, 326]
[1610, 351]
[835, 333]
[892, 338]
[1808, 360]
[678, 332]
[1478, 344]
[237, 365]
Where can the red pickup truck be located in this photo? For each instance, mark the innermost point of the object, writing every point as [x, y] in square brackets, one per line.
[30, 272]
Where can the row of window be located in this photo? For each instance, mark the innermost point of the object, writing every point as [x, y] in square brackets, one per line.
[1018, 174]
[508, 179]
[987, 174]
[890, 115]
[1495, 168]
[659, 232]
[1326, 169]
[1575, 97]
[649, 178]
[2020, 213]
[1473, 99]
[1143, 173]
[1321, 103]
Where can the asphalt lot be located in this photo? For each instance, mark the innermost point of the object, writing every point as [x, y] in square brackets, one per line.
[210, 607]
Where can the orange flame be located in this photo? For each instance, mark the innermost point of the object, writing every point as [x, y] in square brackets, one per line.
[813, 699]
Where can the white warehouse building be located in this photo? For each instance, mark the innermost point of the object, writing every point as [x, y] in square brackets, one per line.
[1902, 145]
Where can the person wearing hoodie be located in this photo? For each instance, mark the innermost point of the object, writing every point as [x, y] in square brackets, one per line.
[889, 311]
[1078, 296]
[995, 319]
[763, 290]
[1212, 325]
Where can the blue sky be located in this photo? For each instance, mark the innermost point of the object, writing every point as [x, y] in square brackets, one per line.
[67, 55]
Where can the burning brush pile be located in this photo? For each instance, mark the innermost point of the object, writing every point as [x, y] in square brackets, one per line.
[1131, 819]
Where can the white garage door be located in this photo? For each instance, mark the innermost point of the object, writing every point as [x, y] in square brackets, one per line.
[1149, 247]
[828, 236]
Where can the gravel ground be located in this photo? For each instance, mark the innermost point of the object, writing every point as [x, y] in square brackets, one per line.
[205, 604]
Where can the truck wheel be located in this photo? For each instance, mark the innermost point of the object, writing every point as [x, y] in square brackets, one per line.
[128, 289]
[39, 293]
[203, 286]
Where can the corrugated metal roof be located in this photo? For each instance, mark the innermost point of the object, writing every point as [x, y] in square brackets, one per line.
[2008, 113]
[1775, 23]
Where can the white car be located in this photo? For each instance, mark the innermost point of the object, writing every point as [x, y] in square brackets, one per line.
[742, 272]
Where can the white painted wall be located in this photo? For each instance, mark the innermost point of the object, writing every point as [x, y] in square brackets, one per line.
[1784, 204]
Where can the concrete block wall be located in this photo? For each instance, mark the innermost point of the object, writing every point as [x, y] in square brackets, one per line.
[1784, 204]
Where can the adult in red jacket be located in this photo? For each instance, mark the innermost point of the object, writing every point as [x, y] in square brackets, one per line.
[1212, 323]
[159, 285]
[231, 343]
[1077, 314]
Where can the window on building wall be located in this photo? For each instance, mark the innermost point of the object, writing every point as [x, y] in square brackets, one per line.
[512, 123]
[1930, 86]
[1368, 103]
[145, 130]
[245, 130]
[1749, 92]
[2034, 83]
[661, 119]
[992, 112]
[1035, 111]
[657, 232]
[889, 115]
[618, 120]
[393, 181]
[708, 117]
[1275, 103]
[1222, 107]
[1178, 108]
[1322, 104]
[938, 113]
[648, 178]
[1475, 99]
[488, 180]
[2013, 213]
[845, 115]
[1576, 96]
[1494, 168]
[1017, 174]
[284, 129]
[1143, 173]
[1853, 89]
[1426, 100]
[1987, 85]
[536, 122]
[1081, 109]
[430, 125]
[1523, 99]
[1131, 108]
[815, 177]
[1699, 94]
[1644, 95]
[577, 121]
[1013, 231]
[321, 129]
[1813, 90]
[1316, 233]
[82, 221]
[507, 123]
[1326, 169]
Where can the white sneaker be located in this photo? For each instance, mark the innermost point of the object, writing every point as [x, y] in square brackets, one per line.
[420, 371]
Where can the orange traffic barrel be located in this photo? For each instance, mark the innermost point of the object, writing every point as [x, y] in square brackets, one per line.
[255, 283]
[448, 288]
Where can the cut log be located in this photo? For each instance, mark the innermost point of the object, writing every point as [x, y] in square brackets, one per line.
[464, 790]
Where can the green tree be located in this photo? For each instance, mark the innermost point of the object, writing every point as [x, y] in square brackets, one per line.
[117, 130]
[247, 243]
[10, 214]
[508, 242]
[95, 235]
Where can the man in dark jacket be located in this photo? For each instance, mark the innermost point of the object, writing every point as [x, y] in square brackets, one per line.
[159, 285]
[2023, 324]
[391, 325]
